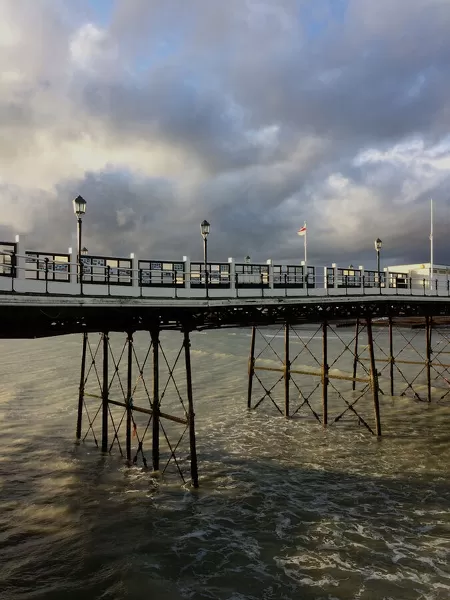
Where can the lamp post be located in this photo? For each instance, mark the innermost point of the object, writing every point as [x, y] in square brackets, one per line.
[378, 244]
[204, 228]
[79, 208]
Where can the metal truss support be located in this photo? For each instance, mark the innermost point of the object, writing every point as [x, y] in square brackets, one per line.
[81, 388]
[326, 371]
[124, 401]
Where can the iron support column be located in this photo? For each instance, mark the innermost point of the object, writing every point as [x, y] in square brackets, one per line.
[81, 389]
[155, 408]
[428, 359]
[373, 376]
[324, 374]
[355, 356]
[105, 394]
[129, 396]
[391, 357]
[287, 370]
[191, 415]
[251, 368]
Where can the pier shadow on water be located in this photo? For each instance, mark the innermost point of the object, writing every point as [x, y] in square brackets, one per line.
[76, 524]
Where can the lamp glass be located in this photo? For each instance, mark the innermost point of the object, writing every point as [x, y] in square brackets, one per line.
[79, 206]
[378, 244]
[204, 227]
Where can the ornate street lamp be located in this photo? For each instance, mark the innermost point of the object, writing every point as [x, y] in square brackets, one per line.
[247, 260]
[204, 228]
[79, 208]
[378, 243]
[84, 251]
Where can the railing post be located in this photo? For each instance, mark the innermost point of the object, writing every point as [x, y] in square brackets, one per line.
[361, 278]
[134, 271]
[335, 275]
[325, 279]
[271, 282]
[46, 274]
[20, 260]
[187, 272]
[232, 264]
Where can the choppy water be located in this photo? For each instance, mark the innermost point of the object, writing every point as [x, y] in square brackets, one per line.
[284, 511]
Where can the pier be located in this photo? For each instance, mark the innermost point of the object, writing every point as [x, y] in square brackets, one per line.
[44, 294]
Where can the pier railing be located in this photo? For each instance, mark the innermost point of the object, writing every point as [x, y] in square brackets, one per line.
[59, 273]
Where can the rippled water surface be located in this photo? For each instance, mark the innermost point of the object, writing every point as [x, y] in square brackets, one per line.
[284, 510]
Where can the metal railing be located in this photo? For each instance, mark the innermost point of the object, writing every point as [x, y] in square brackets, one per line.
[49, 273]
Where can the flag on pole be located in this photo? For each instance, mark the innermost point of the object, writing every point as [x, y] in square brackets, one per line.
[302, 230]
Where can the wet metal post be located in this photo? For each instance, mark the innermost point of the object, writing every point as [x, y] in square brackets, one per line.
[355, 355]
[155, 408]
[105, 394]
[287, 370]
[391, 357]
[251, 368]
[324, 374]
[428, 356]
[191, 415]
[81, 390]
[129, 396]
[373, 376]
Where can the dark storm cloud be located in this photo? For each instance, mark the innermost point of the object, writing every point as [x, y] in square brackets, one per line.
[255, 115]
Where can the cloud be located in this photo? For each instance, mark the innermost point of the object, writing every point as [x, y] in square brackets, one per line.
[253, 114]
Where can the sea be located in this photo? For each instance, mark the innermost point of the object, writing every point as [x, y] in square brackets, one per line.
[285, 509]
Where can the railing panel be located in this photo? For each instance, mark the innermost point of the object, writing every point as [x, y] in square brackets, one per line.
[218, 275]
[8, 252]
[161, 273]
[110, 270]
[47, 266]
[251, 276]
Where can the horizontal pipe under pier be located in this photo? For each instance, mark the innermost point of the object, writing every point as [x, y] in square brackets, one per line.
[148, 411]
[304, 372]
[405, 362]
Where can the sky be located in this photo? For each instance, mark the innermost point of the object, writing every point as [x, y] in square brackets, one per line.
[256, 115]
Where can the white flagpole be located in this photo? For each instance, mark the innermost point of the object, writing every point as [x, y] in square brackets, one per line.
[431, 246]
[306, 233]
